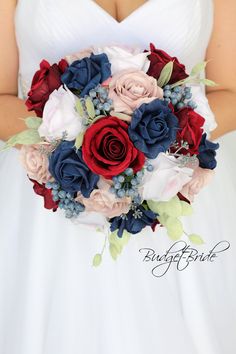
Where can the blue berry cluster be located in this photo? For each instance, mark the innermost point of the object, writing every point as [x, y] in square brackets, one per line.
[66, 200]
[179, 96]
[127, 183]
[102, 103]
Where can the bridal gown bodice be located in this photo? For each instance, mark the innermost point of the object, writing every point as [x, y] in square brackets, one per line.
[52, 301]
[49, 29]
[182, 28]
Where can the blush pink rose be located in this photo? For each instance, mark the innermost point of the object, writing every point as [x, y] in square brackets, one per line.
[104, 202]
[201, 178]
[78, 56]
[131, 88]
[35, 161]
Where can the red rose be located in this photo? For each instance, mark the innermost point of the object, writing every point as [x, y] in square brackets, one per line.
[159, 59]
[44, 82]
[190, 123]
[108, 150]
[40, 189]
[182, 198]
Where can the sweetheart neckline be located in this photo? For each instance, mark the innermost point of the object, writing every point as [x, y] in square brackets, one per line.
[133, 13]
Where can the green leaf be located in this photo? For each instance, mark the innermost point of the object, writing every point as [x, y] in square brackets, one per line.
[173, 207]
[90, 107]
[174, 228]
[197, 69]
[186, 208]
[113, 251]
[163, 219]
[117, 243]
[121, 241]
[122, 116]
[33, 122]
[79, 140]
[196, 239]
[98, 117]
[79, 108]
[27, 137]
[165, 74]
[208, 82]
[97, 259]
[182, 82]
[156, 207]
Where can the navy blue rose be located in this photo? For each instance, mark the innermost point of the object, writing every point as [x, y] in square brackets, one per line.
[68, 168]
[207, 153]
[134, 221]
[153, 128]
[87, 73]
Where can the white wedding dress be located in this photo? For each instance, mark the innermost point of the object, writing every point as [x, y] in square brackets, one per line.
[52, 301]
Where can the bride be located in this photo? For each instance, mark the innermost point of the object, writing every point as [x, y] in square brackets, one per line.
[52, 301]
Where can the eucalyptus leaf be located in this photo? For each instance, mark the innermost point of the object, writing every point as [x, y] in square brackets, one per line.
[33, 122]
[173, 207]
[156, 207]
[162, 219]
[196, 239]
[174, 228]
[125, 238]
[186, 208]
[27, 137]
[165, 74]
[113, 251]
[122, 116]
[98, 117]
[90, 107]
[79, 108]
[120, 241]
[97, 259]
[208, 82]
[197, 69]
[182, 82]
[117, 243]
[79, 140]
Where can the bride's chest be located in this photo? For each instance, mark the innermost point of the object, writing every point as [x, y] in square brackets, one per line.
[53, 28]
[120, 9]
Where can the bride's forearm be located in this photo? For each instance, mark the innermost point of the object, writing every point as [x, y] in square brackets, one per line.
[11, 109]
[223, 104]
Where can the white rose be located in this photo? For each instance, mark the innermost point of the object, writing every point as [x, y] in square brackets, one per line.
[166, 180]
[60, 116]
[125, 58]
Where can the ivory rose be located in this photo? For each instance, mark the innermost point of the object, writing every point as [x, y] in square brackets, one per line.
[201, 178]
[131, 88]
[60, 116]
[103, 201]
[35, 162]
[122, 58]
[166, 180]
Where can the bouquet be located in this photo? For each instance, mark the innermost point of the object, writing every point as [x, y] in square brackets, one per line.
[117, 134]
